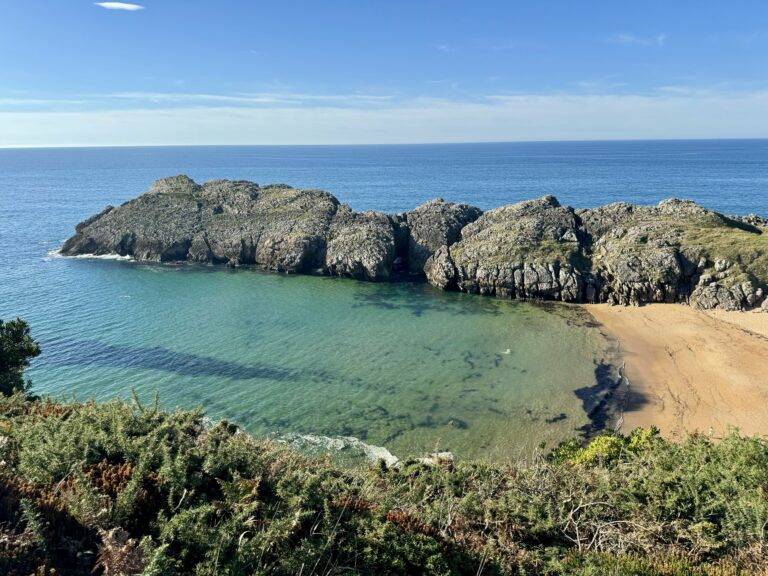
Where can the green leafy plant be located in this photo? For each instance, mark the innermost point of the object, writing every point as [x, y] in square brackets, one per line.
[17, 348]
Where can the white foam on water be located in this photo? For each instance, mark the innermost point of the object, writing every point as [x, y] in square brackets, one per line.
[342, 443]
[56, 253]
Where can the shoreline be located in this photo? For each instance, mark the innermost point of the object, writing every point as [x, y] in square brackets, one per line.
[690, 370]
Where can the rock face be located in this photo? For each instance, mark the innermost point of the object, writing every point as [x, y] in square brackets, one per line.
[638, 253]
[525, 250]
[361, 245]
[676, 251]
[620, 253]
[432, 225]
[238, 223]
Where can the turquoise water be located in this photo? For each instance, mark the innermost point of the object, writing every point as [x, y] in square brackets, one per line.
[402, 366]
[398, 365]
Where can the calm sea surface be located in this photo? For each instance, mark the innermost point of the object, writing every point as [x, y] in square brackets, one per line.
[397, 365]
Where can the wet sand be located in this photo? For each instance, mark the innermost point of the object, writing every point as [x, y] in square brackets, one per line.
[691, 370]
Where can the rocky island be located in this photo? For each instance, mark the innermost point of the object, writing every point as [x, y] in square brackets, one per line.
[676, 251]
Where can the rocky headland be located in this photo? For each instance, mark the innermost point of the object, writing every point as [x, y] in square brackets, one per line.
[676, 251]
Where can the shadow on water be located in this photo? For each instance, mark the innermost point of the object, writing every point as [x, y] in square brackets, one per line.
[572, 315]
[92, 352]
[419, 299]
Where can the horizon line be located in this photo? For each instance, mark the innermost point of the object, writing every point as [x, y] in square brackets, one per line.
[372, 144]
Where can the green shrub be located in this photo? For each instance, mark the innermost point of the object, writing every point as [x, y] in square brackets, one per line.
[99, 486]
[17, 348]
[122, 488]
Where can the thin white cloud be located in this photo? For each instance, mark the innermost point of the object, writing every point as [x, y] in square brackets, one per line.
[258, 98]
[606, 85]
[501, 117]
[445, 48]
[31, 102]
[631, 39]
[120, 6]
[143, 99]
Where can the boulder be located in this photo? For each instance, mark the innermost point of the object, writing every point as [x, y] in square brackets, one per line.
[361, 245]
[527, 250]
[434, 224]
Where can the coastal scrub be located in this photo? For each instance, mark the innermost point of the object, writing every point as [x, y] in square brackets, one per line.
[120, 488]
[104, 486]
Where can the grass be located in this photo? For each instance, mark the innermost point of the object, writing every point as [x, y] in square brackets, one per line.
[709, 236]
[743, 246]
[121, 488]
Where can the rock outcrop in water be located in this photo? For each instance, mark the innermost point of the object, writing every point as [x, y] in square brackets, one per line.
[529, 250]
[434, 224]
[360, 245]
[676, 251]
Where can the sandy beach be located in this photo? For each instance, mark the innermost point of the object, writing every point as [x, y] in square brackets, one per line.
[691, 370]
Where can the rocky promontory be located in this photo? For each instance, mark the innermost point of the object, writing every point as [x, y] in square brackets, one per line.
[676, 251]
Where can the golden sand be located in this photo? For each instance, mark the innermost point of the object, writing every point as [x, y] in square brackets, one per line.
[691, 370]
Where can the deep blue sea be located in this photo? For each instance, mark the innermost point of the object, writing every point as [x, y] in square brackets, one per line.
[397, 365]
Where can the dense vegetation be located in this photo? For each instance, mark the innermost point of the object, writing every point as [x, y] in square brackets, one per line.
[123, 488]
[17, 348]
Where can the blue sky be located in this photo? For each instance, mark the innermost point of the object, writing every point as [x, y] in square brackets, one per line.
[75, 72]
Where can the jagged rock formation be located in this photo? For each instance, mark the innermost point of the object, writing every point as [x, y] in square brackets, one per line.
[275, 227]
[360, 245]
[619, 253]
[432, 225]
[527, 250]
[238, 223]
[676, 251]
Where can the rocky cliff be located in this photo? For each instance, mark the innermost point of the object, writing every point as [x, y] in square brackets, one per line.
[676, 251]
[275, 227]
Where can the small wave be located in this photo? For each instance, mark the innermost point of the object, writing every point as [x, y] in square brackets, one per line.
[341, 444]
[56, 253]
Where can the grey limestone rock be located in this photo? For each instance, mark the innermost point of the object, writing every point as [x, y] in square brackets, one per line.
[239, 223]
[361, 245]
[525, 250]
[434, 224]
[676, 251]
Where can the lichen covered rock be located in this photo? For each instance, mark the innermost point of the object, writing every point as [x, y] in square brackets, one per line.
[525, 250]
[361, 245]
[621, 253]
[239, 223]
[676, 251]
[434, 224]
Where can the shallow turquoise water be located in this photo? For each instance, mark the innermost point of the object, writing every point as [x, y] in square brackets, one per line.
[398, 365]
[401, 365]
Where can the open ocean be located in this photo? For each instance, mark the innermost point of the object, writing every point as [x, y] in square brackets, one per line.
[398, 365]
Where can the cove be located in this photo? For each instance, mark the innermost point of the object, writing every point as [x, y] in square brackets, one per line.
[400, 365]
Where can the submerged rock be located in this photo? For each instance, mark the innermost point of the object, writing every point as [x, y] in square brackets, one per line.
[676, 251]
